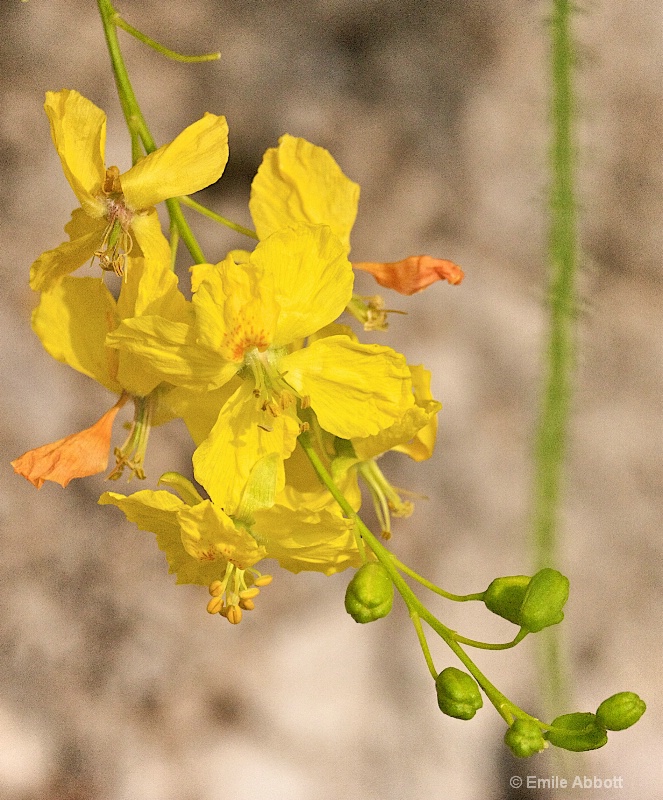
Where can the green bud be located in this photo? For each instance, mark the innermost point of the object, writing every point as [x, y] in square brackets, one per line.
[524, 738]
[458, 694]
[620, 711]
[370, 593]
[505, 596]
[579, 731]
[544, 599]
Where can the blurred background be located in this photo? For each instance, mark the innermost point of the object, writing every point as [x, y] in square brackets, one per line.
[114, 683]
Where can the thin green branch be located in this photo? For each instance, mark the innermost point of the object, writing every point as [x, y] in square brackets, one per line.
[458, 598]
[165, 51]
[206, 212]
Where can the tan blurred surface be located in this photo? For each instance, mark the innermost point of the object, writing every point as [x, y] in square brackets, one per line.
[115, 685]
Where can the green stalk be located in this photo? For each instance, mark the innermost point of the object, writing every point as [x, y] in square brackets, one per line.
[507, 709]
[551, 439]
[138, 130]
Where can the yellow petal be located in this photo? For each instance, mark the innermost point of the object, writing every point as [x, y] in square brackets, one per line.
[312, 278]
[355, 389]
[193, 160]
[199, 410]
[300, 182]
[421, 446]
[157, 512]
[169, 349]
[303, 488]
[151, 287]
[72, 321]
[235, 310]
[304, 540]
[78, 129]
[85, 237]
[209, 535]
[242, 435]
[146, 229]
[78, 455]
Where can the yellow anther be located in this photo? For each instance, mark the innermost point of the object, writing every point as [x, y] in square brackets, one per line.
[247, 605]
[216, 588]
[234, 615]
[249, 594]
[263, 580]
[214, 605]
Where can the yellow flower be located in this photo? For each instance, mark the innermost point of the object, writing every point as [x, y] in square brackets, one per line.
[72, 321]
[203, 545]
[117, 210]
[248, 316]
[301, 182]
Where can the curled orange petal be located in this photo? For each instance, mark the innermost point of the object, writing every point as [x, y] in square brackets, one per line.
[76, 456]
[413, 274]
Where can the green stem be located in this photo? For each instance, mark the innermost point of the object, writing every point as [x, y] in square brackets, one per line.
[458, 598]
[206, 212]
[504, 706]
[138, 129]
[165, 51]
[551, 439]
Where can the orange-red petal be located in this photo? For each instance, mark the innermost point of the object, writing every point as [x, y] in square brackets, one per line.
[76, 456]
[413, 274]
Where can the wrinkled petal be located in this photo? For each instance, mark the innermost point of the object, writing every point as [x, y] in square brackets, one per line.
[235, 310]
[304, 540]
[413, 274]
[193, 160]
[356, 390]
[210, 535]
[78, 455]
[146, 229]
[78, 129]
[158, 512]
[169, 349]
[85, 237]
[303, 488]
[422, 444]
[414, 434]
[150, 288]
[312, 279]
[300, 182]
[199, 410]
[72, 321]
[242, 435]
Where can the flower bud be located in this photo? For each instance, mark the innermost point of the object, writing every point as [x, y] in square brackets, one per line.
[458, 694]
[544, 599]
[505, 596]
[524, 738]
[620, 711]
[370, 593]
[577, 732]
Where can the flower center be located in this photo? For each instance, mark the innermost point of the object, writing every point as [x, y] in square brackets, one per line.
[236, 592]
[117, 242]
[273, 394]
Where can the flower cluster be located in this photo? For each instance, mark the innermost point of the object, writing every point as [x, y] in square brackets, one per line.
[288, 410]
[251, 360]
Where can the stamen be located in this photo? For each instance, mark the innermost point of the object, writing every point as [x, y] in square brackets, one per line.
[132, 453]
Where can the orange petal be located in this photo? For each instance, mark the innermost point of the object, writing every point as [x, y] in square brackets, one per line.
[76, 456]
[413, 274]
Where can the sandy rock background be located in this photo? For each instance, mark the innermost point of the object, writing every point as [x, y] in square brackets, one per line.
[115, 684]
